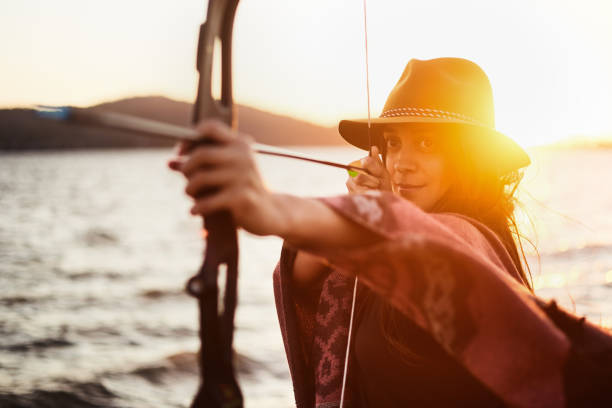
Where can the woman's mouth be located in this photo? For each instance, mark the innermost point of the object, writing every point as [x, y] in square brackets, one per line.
[408, 189]
[407, 186]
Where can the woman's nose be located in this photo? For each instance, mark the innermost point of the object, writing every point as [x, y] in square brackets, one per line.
[406, 163]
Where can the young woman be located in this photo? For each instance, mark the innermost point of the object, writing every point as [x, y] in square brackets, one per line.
[444, 313]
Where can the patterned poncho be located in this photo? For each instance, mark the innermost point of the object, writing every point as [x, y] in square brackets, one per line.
[452, 277]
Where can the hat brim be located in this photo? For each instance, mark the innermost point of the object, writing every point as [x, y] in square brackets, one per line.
[485, 143]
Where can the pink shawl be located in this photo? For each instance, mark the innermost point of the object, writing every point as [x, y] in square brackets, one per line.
[451, 276]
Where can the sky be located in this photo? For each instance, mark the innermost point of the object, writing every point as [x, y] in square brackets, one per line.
[549, 61]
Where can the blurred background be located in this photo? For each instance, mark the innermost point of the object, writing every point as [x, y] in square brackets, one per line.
[95, 238]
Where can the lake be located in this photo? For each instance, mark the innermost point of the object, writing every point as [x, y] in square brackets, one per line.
[96, 246]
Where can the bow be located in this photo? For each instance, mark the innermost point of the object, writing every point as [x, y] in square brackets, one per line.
[218, 387]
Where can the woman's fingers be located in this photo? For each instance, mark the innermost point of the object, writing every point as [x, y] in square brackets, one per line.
[223, 199]
[373, 164]
[201, 157]
[219, 146]
[202, 181]
[376, 177]
[183, 147]
[376, 167]
[211, 156]
[210, 132]
[176, 163]
[366, 180]
[354, 186]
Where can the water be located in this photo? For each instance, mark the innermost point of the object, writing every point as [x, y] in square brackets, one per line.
[95, 248]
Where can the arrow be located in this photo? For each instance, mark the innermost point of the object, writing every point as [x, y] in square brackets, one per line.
[161, 130]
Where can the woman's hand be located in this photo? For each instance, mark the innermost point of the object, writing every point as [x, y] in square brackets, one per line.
[222, 175]
[378, 179]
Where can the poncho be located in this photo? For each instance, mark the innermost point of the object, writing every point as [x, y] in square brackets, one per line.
[454, 279]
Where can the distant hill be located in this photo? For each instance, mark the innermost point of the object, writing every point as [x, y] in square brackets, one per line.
[20, 129]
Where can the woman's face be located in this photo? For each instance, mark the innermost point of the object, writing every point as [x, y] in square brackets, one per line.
[416, 163]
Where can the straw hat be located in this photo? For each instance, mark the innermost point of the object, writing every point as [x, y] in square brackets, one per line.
[448, 92]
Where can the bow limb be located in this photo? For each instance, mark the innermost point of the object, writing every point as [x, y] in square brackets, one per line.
[218, 388]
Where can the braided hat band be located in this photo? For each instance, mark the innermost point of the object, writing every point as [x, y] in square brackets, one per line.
[430, 113]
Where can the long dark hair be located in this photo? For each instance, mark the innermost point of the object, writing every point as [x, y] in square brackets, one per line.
[480, 191]
[483, 192]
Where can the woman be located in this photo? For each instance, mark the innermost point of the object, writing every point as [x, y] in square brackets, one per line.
[444, 312]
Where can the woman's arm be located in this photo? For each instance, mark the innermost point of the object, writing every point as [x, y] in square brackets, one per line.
[223, 176]
[308, 269]
[311, 224]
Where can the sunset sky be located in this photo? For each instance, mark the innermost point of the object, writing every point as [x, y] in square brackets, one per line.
[550, 62]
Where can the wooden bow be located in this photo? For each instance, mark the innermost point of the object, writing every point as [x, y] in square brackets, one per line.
[218, 388]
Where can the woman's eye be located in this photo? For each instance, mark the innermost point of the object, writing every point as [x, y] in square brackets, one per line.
[427, 144]
[393, 142]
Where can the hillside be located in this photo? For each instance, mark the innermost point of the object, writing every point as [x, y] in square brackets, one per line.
[20, 129]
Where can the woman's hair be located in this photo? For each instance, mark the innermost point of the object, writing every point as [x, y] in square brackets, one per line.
[479, 191]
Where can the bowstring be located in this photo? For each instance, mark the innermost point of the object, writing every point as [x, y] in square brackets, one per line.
[350, 331]
[348, 345]
[367, 67]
